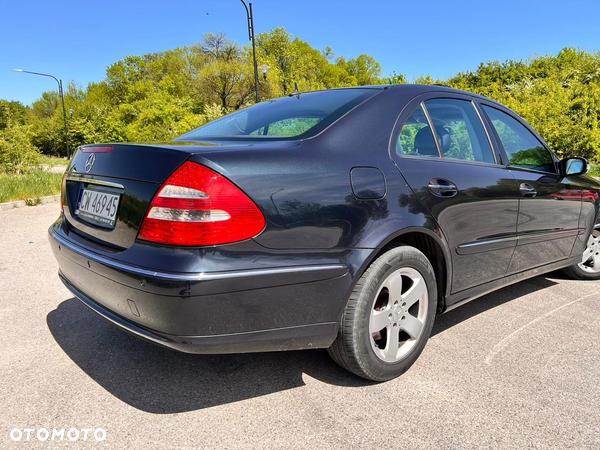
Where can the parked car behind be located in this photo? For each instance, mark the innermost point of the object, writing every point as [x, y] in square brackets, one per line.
[344, 219]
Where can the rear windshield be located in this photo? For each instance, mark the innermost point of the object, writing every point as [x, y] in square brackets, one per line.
[296, 116]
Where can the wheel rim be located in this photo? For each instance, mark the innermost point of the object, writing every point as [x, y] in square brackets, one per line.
[590, 260]
[398, 314]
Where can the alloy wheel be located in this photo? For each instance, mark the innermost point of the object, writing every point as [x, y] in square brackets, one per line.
[398, 314]
[590, 260]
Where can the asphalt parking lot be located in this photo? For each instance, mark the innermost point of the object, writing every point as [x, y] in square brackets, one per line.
[519, 368]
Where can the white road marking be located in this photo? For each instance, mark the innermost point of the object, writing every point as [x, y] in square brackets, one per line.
[501, 345]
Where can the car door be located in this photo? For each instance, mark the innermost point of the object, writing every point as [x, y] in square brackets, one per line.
[445, 154]
[550, 205]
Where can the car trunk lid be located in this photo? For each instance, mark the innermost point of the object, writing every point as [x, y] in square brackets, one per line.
[107, 188]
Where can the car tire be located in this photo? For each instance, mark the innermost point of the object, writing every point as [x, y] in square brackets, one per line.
[398, 293]
[589, 267]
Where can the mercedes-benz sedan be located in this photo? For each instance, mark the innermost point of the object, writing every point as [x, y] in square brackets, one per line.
[344, 219]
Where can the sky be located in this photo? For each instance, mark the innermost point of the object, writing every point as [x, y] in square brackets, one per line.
[77, 40]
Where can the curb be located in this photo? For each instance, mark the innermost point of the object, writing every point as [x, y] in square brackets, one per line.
[34, 201]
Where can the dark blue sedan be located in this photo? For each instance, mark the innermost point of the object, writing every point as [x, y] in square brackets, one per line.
[344, 219]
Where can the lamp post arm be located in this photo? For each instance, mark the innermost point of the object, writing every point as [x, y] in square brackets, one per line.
[248, 18]
[62, 100]
[44, 75]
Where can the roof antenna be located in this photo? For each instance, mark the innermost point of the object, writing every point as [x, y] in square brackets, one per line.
[296, 92]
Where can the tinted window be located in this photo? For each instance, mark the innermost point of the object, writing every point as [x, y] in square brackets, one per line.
[459, 130]
[416, 137]
[522, 147]
[305, 114]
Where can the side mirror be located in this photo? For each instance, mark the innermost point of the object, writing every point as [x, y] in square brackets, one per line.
[574, 166]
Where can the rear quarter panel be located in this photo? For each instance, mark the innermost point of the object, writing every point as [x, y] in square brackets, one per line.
[306, 195]
[305, 190]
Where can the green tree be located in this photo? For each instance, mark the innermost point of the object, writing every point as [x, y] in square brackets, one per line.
[363, 69]
[396, 78]
[293, 61]
[227, 77]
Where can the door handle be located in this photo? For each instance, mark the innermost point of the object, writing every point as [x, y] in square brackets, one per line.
[527, 190]
[442, 188]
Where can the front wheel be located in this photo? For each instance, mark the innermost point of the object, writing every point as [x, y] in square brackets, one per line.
[589, 267]
[389, 316]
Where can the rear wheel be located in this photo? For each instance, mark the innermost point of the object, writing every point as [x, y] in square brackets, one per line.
[389, 316]
[589, 267]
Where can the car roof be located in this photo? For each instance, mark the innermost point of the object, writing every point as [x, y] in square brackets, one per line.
[417, 89]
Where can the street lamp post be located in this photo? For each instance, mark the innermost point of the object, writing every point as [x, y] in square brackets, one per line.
[250, 17]
[62, 99]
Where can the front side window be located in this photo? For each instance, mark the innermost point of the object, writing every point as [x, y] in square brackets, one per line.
[522, 147]
[416, 137]
[459, 130]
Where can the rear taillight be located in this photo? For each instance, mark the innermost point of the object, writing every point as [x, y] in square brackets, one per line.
[197, 206]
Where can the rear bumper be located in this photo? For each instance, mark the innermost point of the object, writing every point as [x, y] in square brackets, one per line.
[254, 310]
[292, 338]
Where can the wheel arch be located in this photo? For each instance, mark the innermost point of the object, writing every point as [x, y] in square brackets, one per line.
[433, 247]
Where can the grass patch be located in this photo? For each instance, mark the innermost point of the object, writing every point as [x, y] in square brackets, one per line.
[52, 161]
[29, 186]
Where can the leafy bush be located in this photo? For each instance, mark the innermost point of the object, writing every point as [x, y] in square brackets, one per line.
[17, 153]
[558, 95]
[594, 171]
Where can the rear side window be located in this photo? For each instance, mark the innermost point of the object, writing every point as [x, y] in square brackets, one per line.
[302, 115]
[459, 130]
[416, 137]
[521, 146]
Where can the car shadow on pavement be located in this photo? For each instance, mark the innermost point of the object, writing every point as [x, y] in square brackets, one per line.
[490, 301]
[163, 381]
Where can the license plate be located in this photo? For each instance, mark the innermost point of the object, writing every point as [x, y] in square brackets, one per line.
[98, 207]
